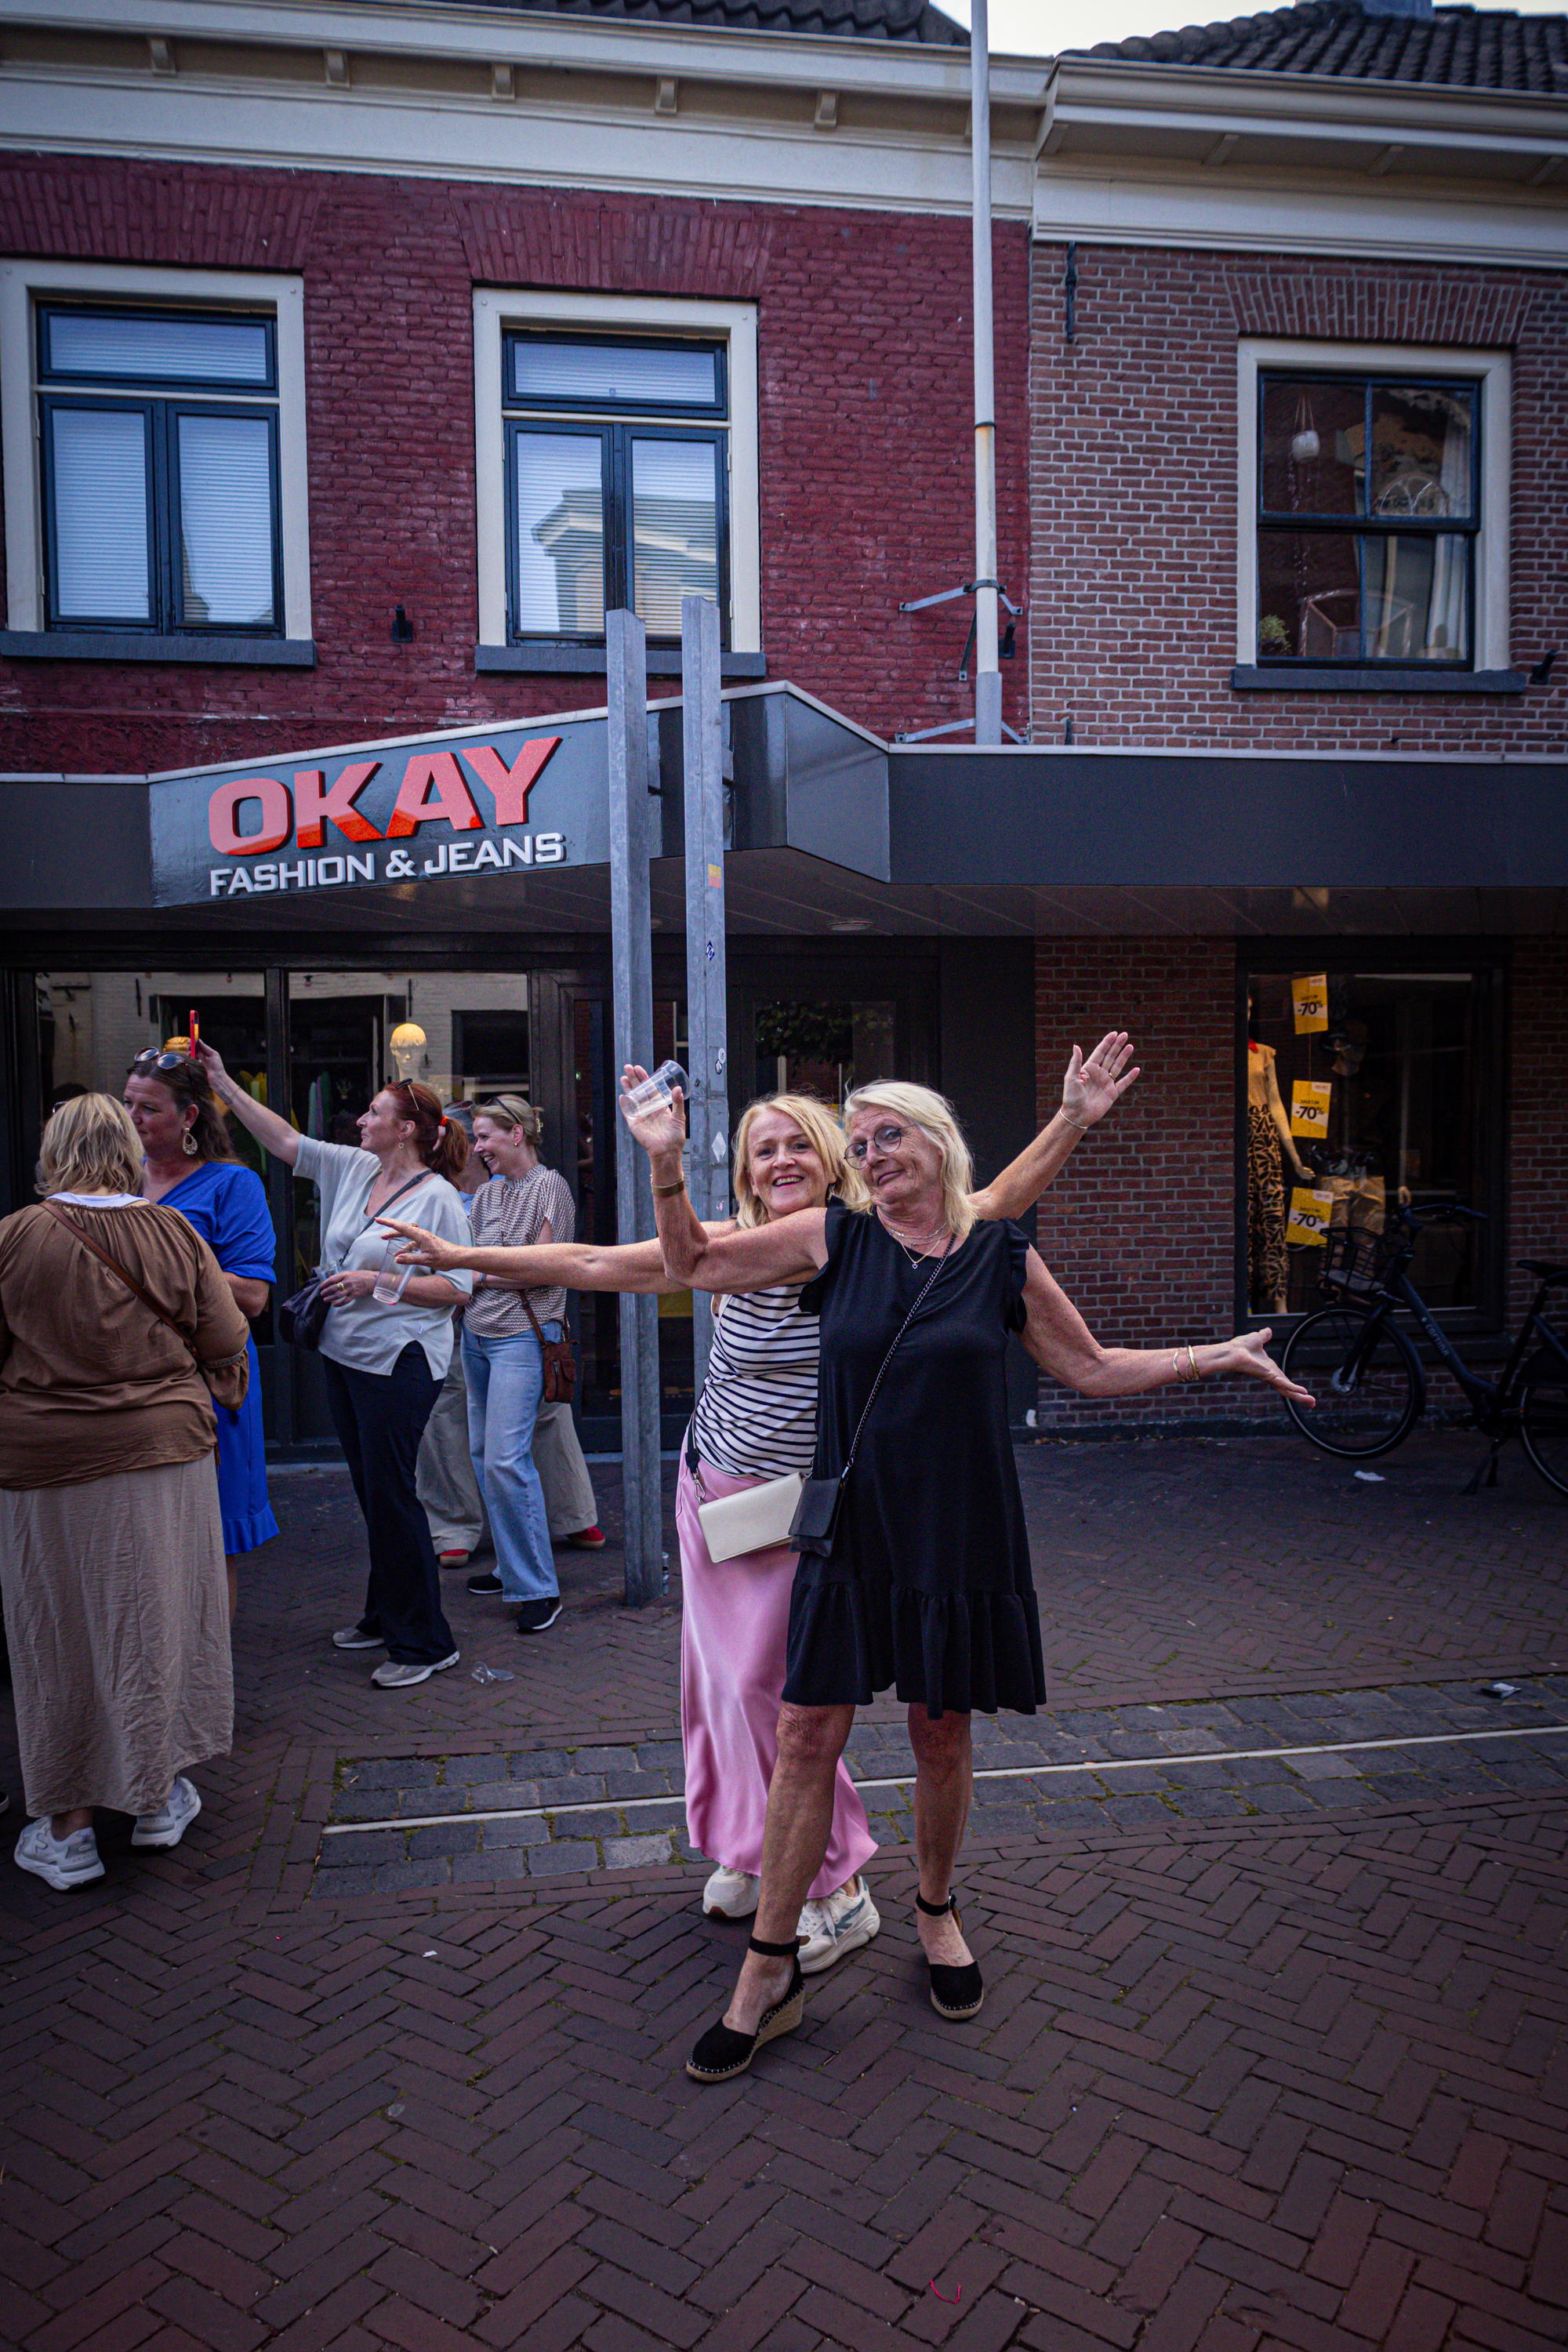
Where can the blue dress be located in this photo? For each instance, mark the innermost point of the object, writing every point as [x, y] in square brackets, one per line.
[227, 1206]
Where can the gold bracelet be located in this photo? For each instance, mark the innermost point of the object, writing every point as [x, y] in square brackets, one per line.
[1191, 1373]
[1074, 1122]
[668, 1192]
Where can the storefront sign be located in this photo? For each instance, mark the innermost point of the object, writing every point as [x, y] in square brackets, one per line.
[496, 802]
[1309, 1099]
[1307, 1226]
[1309, 995]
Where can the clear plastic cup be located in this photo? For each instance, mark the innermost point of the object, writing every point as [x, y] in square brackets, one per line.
[391, 1279]
[658, 1088]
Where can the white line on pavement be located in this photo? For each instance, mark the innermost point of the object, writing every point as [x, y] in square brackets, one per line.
[991, 1772]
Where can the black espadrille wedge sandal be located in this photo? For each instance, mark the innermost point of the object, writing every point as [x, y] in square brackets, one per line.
[956, 1992]
[723, 2054]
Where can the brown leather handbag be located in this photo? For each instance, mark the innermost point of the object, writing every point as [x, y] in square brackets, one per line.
[560, 1364]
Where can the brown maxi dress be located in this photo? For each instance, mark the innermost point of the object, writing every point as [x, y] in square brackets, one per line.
[110, 1537]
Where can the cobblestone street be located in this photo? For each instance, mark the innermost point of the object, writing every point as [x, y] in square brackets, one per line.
[1270, 1904]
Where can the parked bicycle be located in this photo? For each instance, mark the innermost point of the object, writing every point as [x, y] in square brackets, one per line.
[1369, 1381]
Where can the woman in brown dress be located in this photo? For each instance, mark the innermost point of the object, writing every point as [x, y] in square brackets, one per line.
[112, 1558]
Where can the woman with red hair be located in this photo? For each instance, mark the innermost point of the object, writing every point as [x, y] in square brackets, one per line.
[384, 1359]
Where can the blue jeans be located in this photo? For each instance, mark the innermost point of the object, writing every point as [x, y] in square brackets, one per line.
[505, 1377]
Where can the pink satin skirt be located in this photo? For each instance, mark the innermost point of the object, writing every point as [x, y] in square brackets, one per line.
[734, 1633]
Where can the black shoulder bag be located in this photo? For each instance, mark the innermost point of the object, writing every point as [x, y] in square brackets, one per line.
[815, 1522]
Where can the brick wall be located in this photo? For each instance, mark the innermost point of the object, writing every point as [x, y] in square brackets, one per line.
[1134, 487]
[866, 435]
[1139, 1226]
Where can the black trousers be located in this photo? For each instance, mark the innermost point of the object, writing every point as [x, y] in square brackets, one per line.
[380, 1419]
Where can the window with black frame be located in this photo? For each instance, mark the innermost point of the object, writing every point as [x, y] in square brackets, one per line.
[1368, 513]
[1364, 1089]
[617, 467]
[158, 432]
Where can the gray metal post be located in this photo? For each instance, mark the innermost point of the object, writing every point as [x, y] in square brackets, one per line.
[631, 989]
[987, 677]
[703, 744]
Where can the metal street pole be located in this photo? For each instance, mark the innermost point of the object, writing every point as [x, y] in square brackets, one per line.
[987, 676]
[702, 747]
[631, 990]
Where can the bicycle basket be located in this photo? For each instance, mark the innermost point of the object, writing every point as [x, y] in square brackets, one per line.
[1354, 1257]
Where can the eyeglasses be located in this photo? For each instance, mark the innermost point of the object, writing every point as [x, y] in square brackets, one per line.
[151, 1058]
[886, 1139]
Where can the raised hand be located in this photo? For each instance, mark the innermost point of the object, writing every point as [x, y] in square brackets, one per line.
[1092, 1087]
[423, 1249]
[660, 1127]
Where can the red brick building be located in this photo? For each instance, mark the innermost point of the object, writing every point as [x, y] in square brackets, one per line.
[353, 365]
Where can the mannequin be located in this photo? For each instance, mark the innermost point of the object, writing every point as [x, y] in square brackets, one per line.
[1270, 1147]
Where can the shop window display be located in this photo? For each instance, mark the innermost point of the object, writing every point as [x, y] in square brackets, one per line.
[1362, 1089]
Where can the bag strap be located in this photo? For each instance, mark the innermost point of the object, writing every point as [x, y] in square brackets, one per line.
[888, 1357]
[148, 1301]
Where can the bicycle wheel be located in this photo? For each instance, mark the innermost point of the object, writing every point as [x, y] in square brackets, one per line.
[1368, 1392]
[1544, 1425]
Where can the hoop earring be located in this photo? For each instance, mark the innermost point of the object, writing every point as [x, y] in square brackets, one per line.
[188, 1143]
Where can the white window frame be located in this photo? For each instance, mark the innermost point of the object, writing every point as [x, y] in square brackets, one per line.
[496, 308]
[1493, 371]
[23, 286]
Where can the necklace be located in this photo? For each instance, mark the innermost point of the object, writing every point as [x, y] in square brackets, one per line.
[923, 1249]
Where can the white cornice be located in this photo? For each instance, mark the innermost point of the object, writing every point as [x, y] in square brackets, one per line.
[520, 145]
[540, 40]
[1299, 213]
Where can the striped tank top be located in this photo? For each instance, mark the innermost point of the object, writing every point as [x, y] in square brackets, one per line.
[756, 1417]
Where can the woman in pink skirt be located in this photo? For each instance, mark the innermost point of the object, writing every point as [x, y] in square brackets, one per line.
[756, 1420]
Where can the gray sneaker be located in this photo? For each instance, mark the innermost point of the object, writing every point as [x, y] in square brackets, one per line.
[63, 1862]
[395, 1674]
[835, 1926]
[168, 1825]
[350, 1637]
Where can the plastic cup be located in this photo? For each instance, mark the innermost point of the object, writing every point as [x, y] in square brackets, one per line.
[391, 1279]
[659, 1086]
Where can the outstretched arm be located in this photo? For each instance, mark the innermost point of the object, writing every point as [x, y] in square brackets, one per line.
[1089, 1090]
[790, 1249]
[570, 1266]
[272, 1132]
[1061, 1343]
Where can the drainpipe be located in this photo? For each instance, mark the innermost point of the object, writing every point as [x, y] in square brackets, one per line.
[987, 676]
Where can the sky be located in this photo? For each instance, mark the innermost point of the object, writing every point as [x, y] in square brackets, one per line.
[1042, 27]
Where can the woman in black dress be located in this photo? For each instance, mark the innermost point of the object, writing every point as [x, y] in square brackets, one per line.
[926, 1585]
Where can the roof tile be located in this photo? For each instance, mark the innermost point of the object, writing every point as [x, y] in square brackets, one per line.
[1455, 48]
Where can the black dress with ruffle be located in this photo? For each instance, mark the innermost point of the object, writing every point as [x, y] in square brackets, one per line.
[929, 1589]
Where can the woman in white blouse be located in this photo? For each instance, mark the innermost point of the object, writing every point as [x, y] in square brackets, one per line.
[385, 1360]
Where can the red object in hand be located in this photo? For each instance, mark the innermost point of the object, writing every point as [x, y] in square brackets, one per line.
[196, 1030]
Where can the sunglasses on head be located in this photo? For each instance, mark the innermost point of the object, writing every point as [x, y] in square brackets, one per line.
[155, 1058]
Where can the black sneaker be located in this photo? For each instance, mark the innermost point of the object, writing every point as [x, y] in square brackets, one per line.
[535, 1615]
[488, 1585]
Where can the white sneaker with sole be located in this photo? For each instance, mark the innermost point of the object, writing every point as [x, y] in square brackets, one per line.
[393, 1673]
[729, 1895]
[834, 1927]
[168, 1825]
[349, 1637]
[63, 1861]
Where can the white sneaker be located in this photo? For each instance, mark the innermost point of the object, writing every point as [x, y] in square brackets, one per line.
[168, 1825]
[63, 1861]
[834, 1927]
[349, 1637]
[394, 1673]
[729, 1895]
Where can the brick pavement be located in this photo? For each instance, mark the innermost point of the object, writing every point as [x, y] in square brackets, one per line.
[1269, 2057]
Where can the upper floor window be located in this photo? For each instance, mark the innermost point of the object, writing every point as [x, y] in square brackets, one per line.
[159, 472]
[618, 465]
[1368, 496]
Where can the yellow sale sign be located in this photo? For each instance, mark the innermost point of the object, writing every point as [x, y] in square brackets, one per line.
[1308, 1224]
[1309, 1108]
[1310, 999]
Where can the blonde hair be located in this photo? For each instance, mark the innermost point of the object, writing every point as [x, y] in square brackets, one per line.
[90, 1145]
[935, 1117]
[818, 1125]
[513, 1110]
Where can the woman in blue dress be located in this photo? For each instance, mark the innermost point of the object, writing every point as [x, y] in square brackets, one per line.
[190, 1166]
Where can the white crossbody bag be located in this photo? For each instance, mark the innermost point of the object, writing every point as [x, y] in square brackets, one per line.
[757, 1519]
